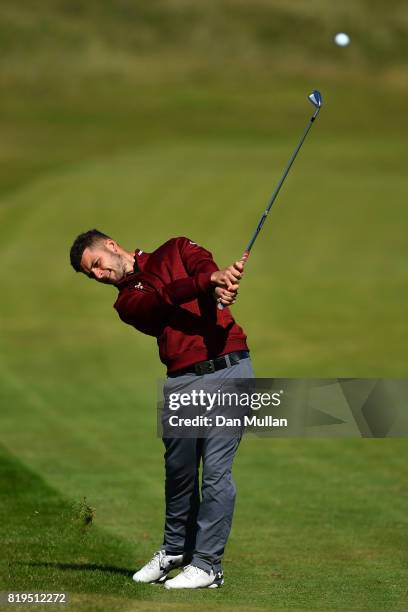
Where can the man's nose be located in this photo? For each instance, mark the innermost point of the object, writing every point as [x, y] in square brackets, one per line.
[98, 273]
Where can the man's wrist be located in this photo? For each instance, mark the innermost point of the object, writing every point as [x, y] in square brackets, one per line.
[213, 277]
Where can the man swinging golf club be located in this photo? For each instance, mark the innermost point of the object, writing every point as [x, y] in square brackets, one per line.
[178, 294]
[172, 294]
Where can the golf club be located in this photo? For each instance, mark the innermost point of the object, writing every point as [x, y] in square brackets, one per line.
[316, 99]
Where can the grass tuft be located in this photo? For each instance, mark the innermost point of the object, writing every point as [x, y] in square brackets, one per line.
[84, 515]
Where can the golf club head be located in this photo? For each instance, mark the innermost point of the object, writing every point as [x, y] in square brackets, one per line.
[316, 99]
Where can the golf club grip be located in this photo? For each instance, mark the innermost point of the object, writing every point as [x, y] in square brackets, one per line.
[243, 258]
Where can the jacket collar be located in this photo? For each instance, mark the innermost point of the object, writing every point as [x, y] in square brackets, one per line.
[140, 259]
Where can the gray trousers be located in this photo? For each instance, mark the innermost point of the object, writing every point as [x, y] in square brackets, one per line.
[199, 528]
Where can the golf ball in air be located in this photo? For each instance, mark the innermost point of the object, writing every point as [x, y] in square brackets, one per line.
[342, 39]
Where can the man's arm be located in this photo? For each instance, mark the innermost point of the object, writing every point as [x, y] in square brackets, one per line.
[204, 278]
[146, 308]
[200, 263]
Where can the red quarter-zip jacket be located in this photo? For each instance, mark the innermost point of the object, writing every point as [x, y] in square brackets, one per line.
[170, 297]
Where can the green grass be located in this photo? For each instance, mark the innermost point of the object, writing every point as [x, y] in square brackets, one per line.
[340, 547]
[150, 120]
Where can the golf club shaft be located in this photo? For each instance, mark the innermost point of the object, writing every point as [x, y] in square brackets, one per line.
[278, 187]
[262, 220]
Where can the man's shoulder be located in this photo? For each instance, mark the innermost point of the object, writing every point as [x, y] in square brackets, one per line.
[176, 241]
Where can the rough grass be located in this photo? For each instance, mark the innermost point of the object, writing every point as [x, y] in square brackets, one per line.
[120, 37]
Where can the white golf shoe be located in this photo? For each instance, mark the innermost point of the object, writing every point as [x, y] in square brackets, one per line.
[158, 567]
[193, 577]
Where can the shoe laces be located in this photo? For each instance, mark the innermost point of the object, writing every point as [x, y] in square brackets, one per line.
[191, 570]
[156, 557]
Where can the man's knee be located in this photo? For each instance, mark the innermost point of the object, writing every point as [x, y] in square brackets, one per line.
[218, 478]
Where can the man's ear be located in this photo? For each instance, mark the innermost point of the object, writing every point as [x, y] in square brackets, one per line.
[111, 245]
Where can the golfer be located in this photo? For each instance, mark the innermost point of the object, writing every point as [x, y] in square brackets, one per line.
[172, 294]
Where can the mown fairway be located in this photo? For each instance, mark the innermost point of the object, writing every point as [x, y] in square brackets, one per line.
[162, 120]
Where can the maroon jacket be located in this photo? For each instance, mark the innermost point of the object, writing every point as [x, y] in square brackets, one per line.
[169, 296]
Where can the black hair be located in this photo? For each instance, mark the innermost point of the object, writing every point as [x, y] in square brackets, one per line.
[81, 242]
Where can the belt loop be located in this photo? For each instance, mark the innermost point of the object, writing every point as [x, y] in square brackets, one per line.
[228, 360]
